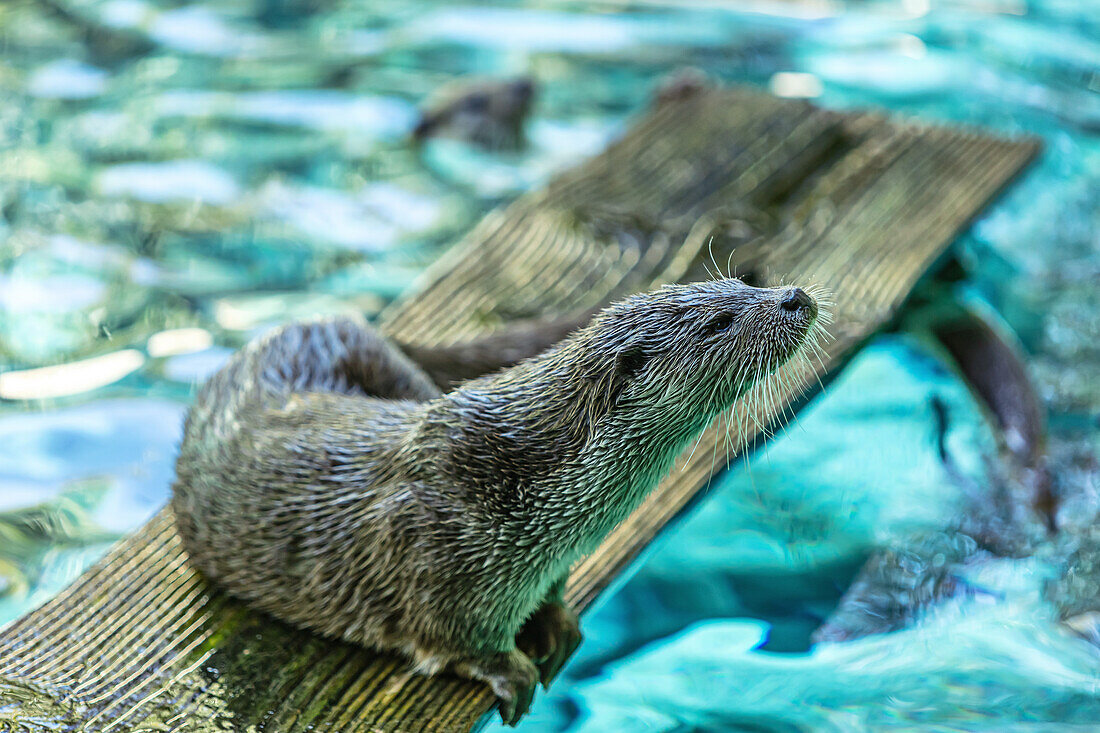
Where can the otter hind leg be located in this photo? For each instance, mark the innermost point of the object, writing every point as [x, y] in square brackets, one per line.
[511, 675]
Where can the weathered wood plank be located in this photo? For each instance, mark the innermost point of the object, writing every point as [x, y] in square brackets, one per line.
[782, 190]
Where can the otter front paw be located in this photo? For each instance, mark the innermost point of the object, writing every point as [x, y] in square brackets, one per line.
[549, 637]
[512, 676]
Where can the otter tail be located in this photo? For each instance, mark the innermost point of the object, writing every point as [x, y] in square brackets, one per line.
[341, 355]
[450, 364]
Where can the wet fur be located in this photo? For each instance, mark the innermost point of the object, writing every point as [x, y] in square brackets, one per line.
[325, 478]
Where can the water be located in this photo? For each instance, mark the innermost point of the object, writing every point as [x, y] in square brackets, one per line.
[176, 177]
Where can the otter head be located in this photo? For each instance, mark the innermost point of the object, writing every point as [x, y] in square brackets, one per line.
[590, 425]
[663, 364]
[489, 113]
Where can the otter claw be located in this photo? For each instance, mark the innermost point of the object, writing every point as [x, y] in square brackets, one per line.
[549, 669]
[515, 701]
[512, 677]
[515, 686]
[549, 637]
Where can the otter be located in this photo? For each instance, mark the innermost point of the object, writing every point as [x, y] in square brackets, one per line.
[325, 478]
[680, 85]
[1011, 512]
[487, 113]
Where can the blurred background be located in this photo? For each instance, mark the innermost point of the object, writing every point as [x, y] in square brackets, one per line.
[176, 177]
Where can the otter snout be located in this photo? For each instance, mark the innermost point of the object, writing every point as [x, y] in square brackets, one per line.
[797, 300]
[523, 88]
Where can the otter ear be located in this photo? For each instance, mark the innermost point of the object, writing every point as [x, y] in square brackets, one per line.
[609, 378]
[629, 361]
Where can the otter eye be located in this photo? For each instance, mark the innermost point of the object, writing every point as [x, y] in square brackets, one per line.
[719, 324]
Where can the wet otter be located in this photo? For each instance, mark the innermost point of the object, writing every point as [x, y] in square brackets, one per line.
[1008, 514]
[487, 113]
[680, 85]
[325, 478]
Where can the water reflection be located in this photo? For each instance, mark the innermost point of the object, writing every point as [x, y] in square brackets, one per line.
[179, 341]
[178, 180]
[73, 378]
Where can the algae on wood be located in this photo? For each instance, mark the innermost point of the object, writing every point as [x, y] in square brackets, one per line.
[779, 190]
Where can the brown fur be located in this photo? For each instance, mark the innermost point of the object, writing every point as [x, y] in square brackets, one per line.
[325, 478]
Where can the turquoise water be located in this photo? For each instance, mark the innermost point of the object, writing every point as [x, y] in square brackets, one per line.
[176, 177]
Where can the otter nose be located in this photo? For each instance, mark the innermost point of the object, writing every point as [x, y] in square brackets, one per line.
[796, 299]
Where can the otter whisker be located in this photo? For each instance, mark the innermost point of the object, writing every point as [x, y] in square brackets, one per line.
[771, 401]
[710, 252]
[692, 454]
[784, 405]
[736, 384]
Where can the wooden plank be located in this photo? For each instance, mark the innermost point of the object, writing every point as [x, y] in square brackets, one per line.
[854, 203]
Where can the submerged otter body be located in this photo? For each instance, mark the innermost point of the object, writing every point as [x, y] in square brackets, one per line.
[326, 479]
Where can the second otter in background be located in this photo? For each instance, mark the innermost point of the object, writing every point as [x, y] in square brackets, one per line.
[487, 113]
